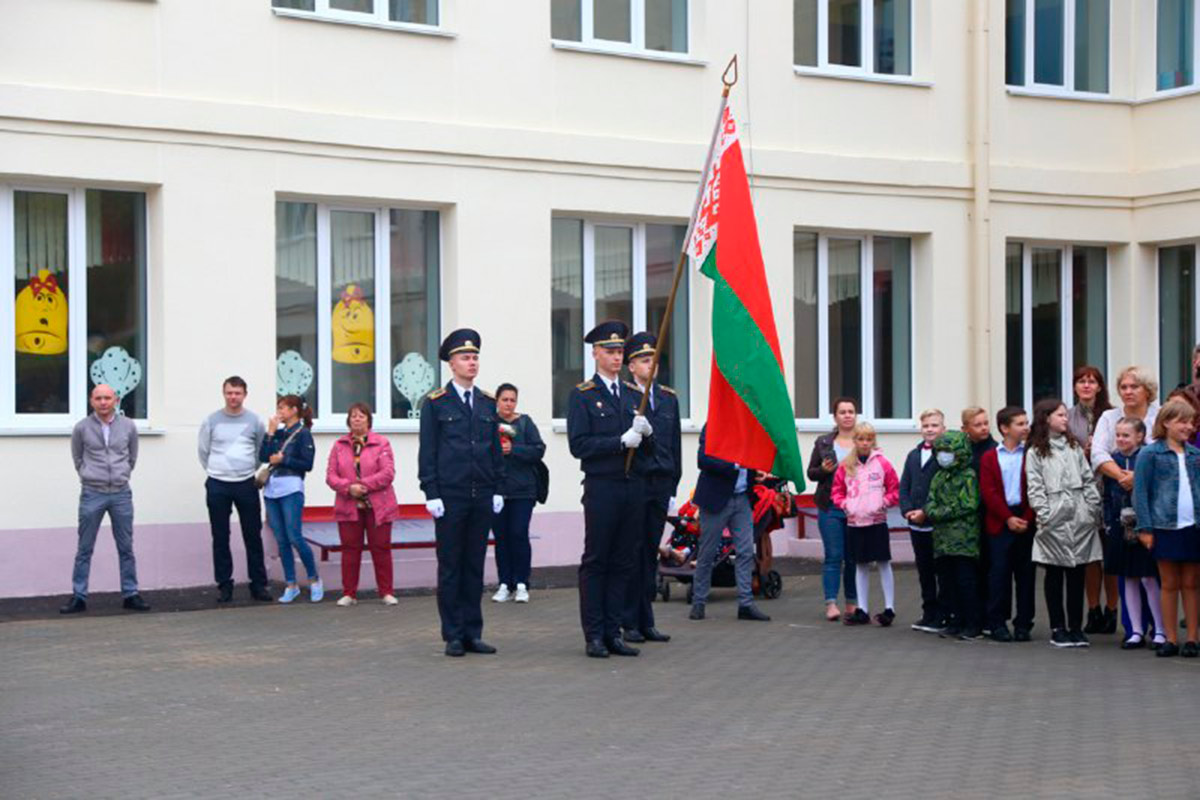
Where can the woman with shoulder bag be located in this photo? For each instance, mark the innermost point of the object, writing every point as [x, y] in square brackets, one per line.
[829, 451]
[288, 451]
[523, 449]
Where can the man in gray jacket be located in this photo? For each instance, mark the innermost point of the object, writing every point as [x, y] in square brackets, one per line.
[104, 446]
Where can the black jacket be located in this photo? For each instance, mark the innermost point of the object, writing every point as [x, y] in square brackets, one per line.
[717, 480]
[460, 454]
[520, 481]
[977, 451]
[595, 424]
[822, 449]
[667, 461]
[297, 457]
[915, 480]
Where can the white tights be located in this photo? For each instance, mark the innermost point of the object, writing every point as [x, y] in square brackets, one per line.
[1133, 603]
[862, 580]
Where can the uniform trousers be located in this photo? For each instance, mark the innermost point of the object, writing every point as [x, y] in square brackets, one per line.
[613, 518]
[461, 551]
[643, 579]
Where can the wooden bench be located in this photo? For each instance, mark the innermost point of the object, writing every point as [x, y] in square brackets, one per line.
[412, 530]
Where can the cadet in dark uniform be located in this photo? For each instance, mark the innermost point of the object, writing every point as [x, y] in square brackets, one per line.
[601, 426]
[460, 466]
[663, 471]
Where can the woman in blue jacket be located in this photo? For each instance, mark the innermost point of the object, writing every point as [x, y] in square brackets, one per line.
[1166, 498]
[288, 449]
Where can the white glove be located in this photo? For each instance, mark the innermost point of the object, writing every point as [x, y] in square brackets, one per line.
[672, 506]
[631, 439]
[497, 504]
[642, 425]
[435, 507]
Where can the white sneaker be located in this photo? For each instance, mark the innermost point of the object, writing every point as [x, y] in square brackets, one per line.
[289, 594]
[522, 594]
[502, 594]
[345, 601]
[389, 600]
[316, 591]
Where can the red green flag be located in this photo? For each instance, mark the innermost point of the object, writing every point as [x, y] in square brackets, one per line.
[750, 417]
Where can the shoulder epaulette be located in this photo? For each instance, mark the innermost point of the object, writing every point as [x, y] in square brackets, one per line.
[633, 386]
[583, 387]
[666, 389]
[488, 395]
[436, 393]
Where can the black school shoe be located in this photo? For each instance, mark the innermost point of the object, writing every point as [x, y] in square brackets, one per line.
[1189, 650]
[859, 617]
[1095, 621]
[1000, 633]
[1136, 641]
[885, 619]
[1110, 620]
[1167, 650]
[1022, 635]
[926, 625]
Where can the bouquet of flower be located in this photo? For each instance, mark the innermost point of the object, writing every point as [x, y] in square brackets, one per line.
[508, 431]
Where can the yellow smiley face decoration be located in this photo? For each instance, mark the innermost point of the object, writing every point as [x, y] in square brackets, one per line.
[353, 328]
[41, 312]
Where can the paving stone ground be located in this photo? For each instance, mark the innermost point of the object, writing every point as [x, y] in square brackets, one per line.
[320, 701]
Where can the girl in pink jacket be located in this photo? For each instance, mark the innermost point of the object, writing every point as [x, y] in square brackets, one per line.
[865, 486]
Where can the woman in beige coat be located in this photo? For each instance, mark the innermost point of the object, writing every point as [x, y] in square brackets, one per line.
[1063, 494]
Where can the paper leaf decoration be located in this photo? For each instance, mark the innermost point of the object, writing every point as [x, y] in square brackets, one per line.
[413, 378]
[119, 370]
[293, 375]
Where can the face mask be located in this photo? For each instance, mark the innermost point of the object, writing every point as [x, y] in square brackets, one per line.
[945, 459]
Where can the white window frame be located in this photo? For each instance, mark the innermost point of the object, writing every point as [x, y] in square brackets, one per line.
[329, 421]
[636, 46]
[1068, 50]
[1188, 88]
[638, 284]
[867, 349]
[1066, 273]
[1158, 248]
[10, 420]
[377, 18]
[866, 45]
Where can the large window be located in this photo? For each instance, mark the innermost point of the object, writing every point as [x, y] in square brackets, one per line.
[75, 260]
[356, 307]
[1175, 63]
[1177, 321]
[1056, 316]
[853, 37]
[654, 26]
[850, 342]
[614, 270]
[384, 12]
[1057, 46]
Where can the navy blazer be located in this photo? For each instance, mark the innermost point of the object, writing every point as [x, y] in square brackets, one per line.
[717, 480]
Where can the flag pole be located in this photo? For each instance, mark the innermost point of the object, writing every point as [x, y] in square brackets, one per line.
[728, 81]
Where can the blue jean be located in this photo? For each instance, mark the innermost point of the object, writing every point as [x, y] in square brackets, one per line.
[92, 507]
[838, 564]
[283, 515]
[513, 553]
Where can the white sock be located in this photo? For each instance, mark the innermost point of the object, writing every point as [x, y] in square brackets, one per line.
[862, 582]
[1133, 605]
[889, 585]
[1154, 595]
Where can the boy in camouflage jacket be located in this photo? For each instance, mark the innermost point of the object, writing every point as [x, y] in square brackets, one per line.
[953, 511]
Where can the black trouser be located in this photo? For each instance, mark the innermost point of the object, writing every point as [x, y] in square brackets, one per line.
[462, 534]
[638, 613]
[1053, 586]
[613, 518]
[1011, 561]
[933, 605]
[982, 570]
[957, 575]
[221, 497]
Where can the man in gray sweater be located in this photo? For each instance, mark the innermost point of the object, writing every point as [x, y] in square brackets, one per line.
[104, 447]
[229, 445]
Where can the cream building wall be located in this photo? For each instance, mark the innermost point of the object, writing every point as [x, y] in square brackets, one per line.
[218, 109]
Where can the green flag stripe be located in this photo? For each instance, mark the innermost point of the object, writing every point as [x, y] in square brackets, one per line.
[748, 364]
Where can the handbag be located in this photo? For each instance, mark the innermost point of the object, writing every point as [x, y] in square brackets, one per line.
[541, 474]
[264, 472]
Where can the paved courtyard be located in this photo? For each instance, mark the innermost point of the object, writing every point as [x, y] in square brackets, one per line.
[327, 702]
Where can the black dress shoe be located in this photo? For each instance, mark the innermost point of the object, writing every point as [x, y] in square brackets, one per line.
[655, 635]
[262, 595]
[1167, 650]
[478, 646]
[751, 612]
[225, 594]
[1021, 635]
[596, 649]
[634, 635]
[135, 603]
[1000, 633]
[74, 606]
[454, 649]
[617, 647]
[697, 611]
[1189, 650]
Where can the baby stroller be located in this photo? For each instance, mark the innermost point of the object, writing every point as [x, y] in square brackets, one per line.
[772, 505]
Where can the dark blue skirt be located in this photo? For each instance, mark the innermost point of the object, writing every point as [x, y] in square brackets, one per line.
[1179, 545]
[872, 543]
[1127, 558]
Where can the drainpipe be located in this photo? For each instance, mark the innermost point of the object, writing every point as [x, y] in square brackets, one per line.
[979, 280]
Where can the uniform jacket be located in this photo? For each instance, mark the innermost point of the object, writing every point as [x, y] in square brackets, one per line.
[995, 503]
[914, 481]
[822, 449]
[868, 495]
[460, 455]
[595, 422]
[663, 415]
[1116, 498]
[520, 481]
[1156, 485]
[378, 468]
[953, 504]
[1063, 495]
[297, 456]
[717, 479]
[104, 468]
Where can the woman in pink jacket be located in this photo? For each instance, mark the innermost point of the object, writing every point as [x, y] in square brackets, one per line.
[865, 486]
[361, 470]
